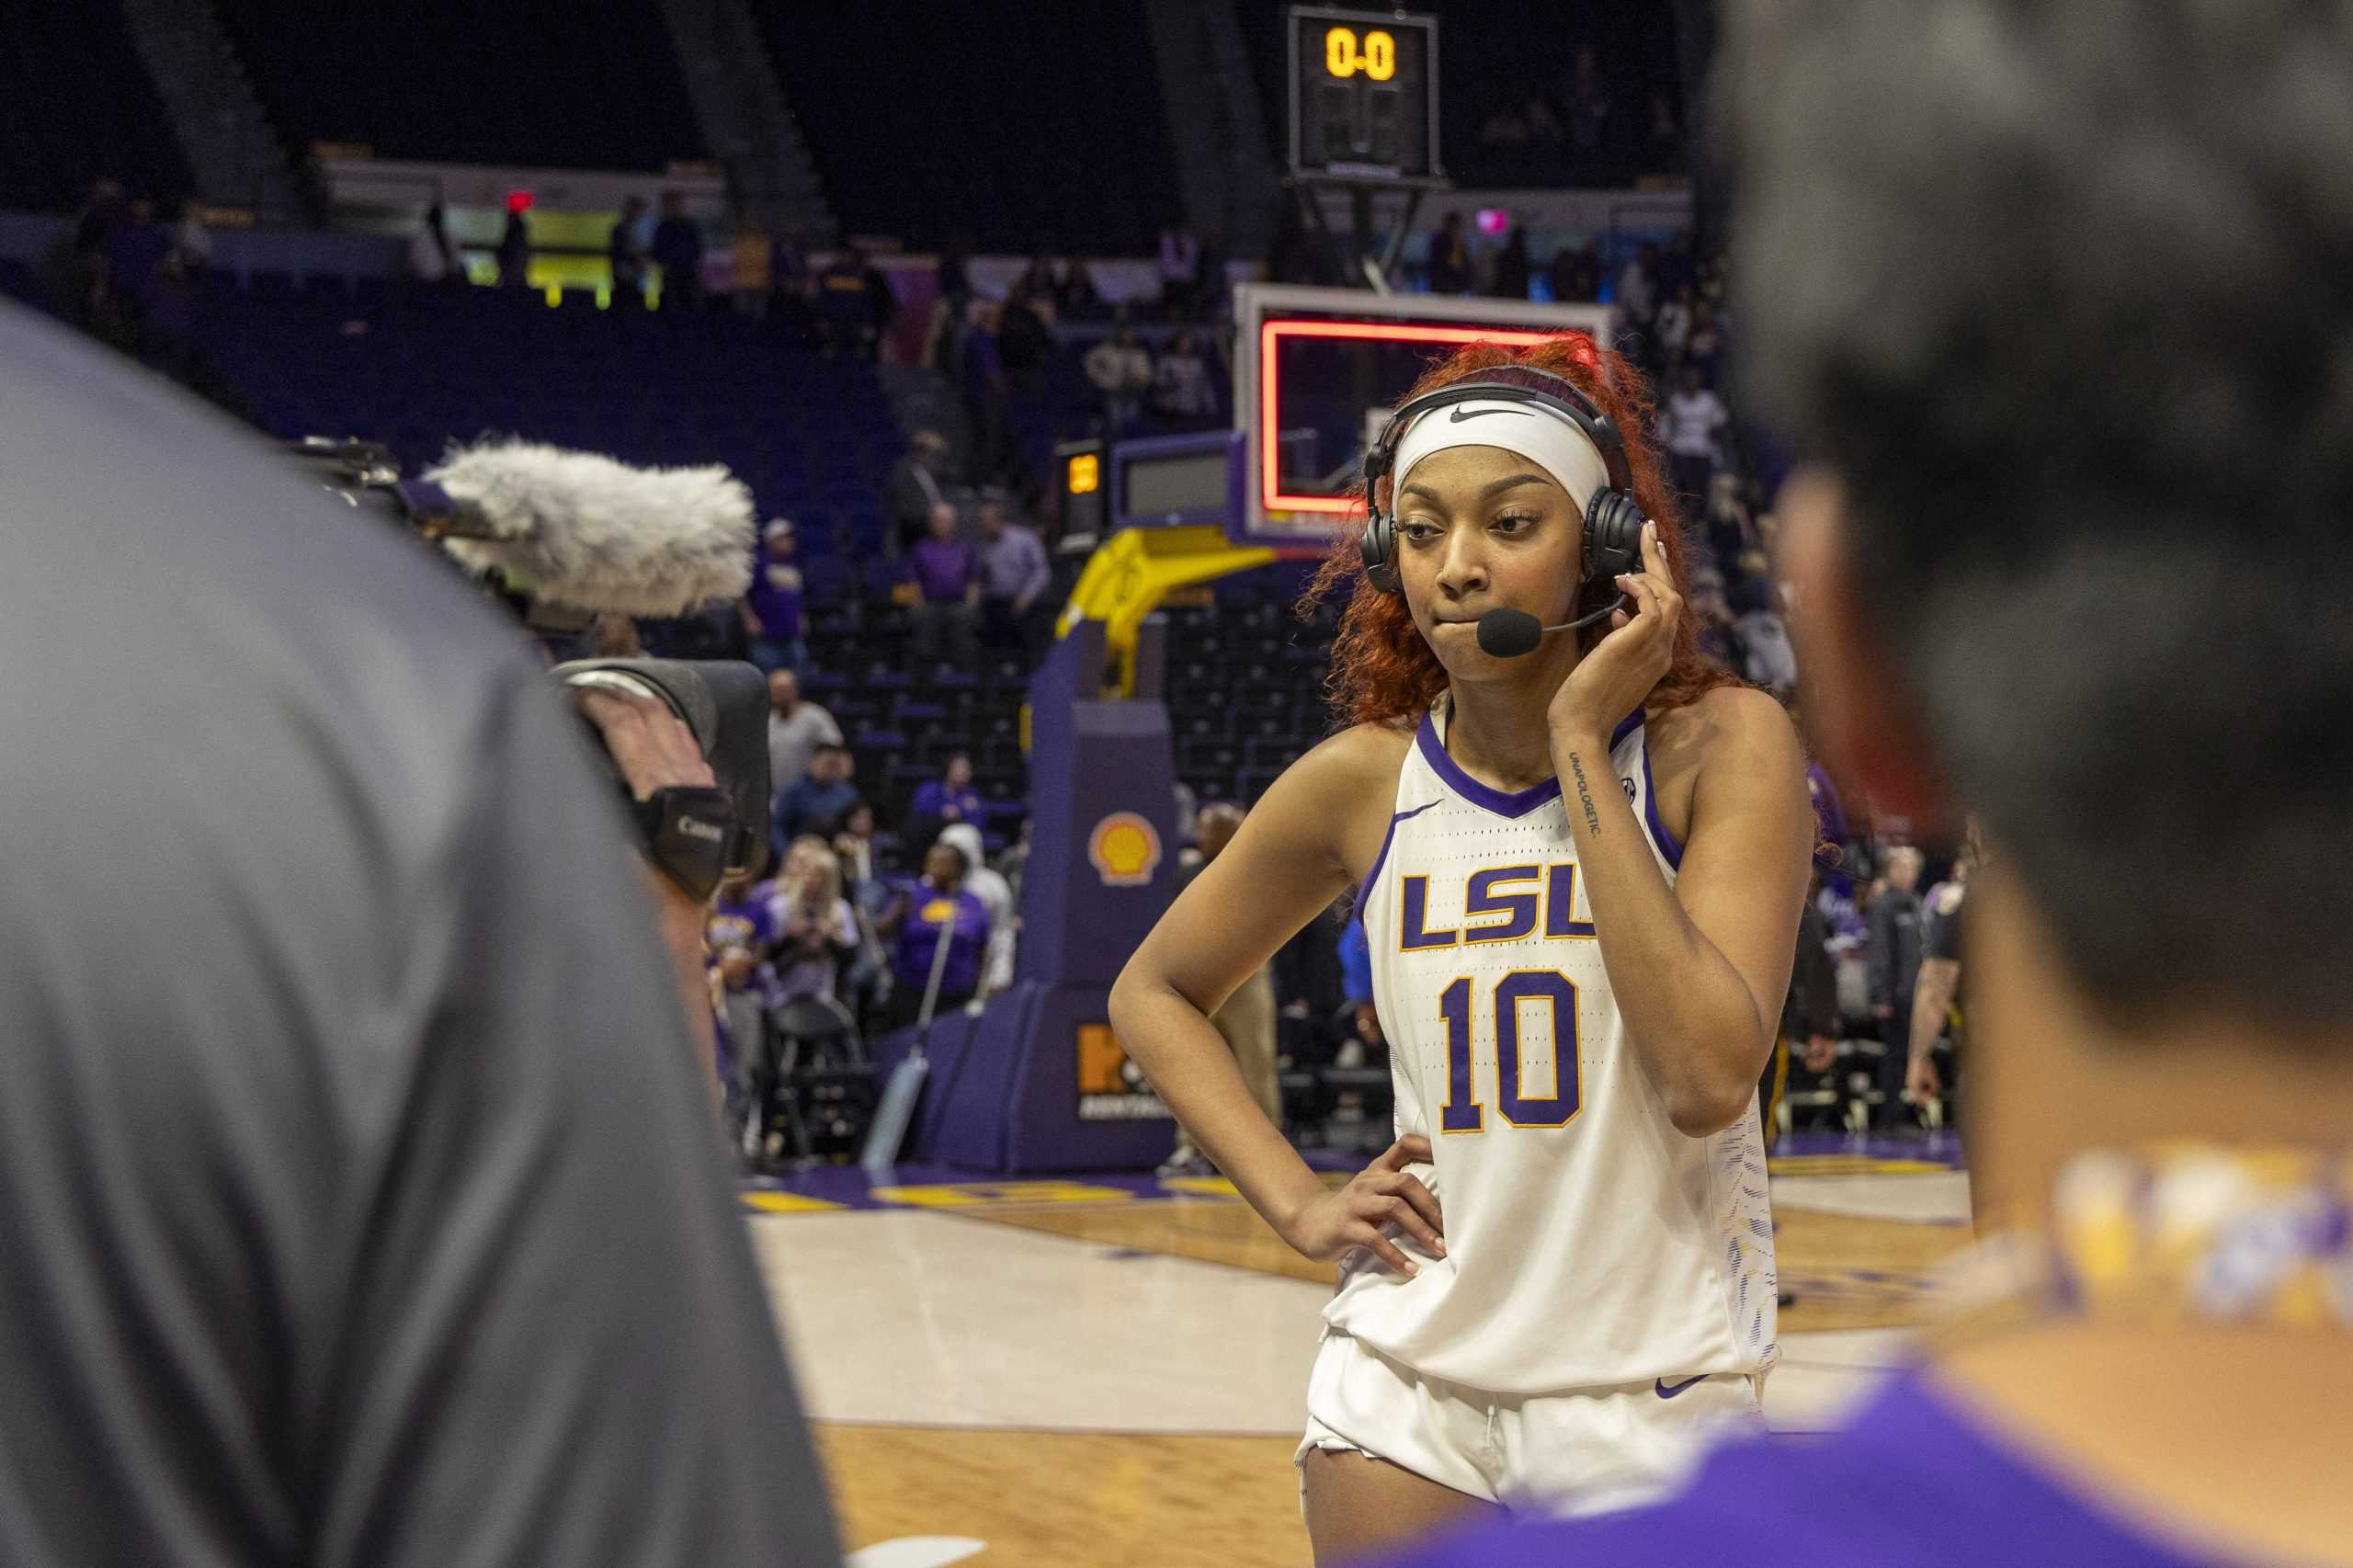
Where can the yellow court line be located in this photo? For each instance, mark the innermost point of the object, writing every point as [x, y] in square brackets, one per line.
[788, 1203]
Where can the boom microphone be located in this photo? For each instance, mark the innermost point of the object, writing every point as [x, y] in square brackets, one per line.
[588, 531]
[1510, 634]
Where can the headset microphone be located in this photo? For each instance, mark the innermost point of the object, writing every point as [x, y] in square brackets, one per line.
[1510, 634]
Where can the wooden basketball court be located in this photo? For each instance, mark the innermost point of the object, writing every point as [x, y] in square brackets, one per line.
[1113, 1369]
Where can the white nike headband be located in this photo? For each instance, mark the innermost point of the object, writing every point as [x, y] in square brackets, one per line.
[1551, 440]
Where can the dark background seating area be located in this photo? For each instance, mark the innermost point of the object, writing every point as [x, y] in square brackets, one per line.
[911, 110]
[63, 134]
[596, 88]
[420, 368]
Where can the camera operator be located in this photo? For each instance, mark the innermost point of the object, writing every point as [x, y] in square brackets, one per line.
[381, 1217]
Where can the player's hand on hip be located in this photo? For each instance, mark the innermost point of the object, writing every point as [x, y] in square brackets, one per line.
[1614, 678]
[1358, 1215]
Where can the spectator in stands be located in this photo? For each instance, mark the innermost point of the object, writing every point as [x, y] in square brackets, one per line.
[1072, 283]
[995, 895]
[1690, 421]
[1891, 952]
[1767, 657]
[1634, 300]
[953, 280]
[1182, 394]
[988, 390]
[751, 264]
[1577, 273]
[939, 927]
[1024, 342]
[772, 610]
[946, 801]
[914, 488]
[743, 922]
[1591, 133]
[854, 305]
[1704, 351]
[1180, 272]
[1015, 611]
[1809, 1032]
[1513, 269]
[815, 929]
[677, 247]
[948, 587]
[1673, 325]
[515, 247]
[1121, 372]
[817, 802]
[1732, 527]
[191, 239]
[1247, 1019]
[1449, 256]
[625, 254]
[858, 849]
[796, 729]
[431, 258]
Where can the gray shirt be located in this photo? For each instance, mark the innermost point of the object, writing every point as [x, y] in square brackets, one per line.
[792, 742]
[1013, 566]
[376, 1214]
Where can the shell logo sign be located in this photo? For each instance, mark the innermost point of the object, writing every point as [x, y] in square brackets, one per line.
[1124, 849]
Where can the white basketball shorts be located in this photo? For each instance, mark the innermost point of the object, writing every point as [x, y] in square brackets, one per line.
[1583, 1451]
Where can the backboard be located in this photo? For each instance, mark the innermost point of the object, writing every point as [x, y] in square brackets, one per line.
[1315, 373]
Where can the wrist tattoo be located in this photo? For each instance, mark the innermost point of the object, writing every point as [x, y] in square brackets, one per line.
[1592, 817]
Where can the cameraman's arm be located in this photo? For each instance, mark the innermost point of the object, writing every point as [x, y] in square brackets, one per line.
[654, 751]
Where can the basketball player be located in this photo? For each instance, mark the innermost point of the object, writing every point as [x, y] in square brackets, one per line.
[1580, 872]
[2056, 298]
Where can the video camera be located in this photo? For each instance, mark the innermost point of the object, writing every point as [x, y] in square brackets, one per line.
[563, 536]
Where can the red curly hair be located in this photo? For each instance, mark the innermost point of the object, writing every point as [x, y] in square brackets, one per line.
[1383, 671]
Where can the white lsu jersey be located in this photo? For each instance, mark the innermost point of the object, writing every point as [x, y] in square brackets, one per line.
[1588, 1242]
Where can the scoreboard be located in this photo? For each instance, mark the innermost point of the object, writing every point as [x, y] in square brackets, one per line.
[1364, 96]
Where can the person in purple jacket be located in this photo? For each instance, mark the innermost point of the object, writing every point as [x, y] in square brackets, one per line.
[938, 901]
[2054, 297]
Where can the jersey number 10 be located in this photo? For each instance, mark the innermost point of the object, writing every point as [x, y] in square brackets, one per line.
[1463, 1112]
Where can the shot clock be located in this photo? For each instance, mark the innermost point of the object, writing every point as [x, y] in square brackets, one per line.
[1364, 96]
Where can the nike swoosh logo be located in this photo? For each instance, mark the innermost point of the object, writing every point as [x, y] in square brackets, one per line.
[1665, 1392]
[1456, 415]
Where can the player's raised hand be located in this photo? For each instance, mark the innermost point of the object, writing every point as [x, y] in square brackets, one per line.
[1612, 679]
[1358, 1215]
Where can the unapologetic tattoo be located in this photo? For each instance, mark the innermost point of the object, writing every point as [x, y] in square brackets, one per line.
[1592, 817]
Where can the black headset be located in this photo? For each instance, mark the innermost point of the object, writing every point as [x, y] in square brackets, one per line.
[1613, 519]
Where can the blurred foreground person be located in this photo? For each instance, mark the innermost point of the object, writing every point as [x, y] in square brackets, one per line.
[383, 1220]
[2055, 297]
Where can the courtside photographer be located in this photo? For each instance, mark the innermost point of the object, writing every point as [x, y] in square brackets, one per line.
[374, 1213]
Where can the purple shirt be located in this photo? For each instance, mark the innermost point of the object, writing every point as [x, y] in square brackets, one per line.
[776, 597]
[933, 797]
[943, 568]
[1911, 1479]
[919, 939]
[750, 925]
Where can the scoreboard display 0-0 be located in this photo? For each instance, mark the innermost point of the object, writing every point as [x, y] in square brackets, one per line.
[1364, 96]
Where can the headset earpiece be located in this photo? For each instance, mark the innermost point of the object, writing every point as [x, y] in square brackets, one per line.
[1613, 520]
[1613, 536]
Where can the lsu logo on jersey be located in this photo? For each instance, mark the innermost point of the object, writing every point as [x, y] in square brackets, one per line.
[1124, 849]
[1495, 903]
